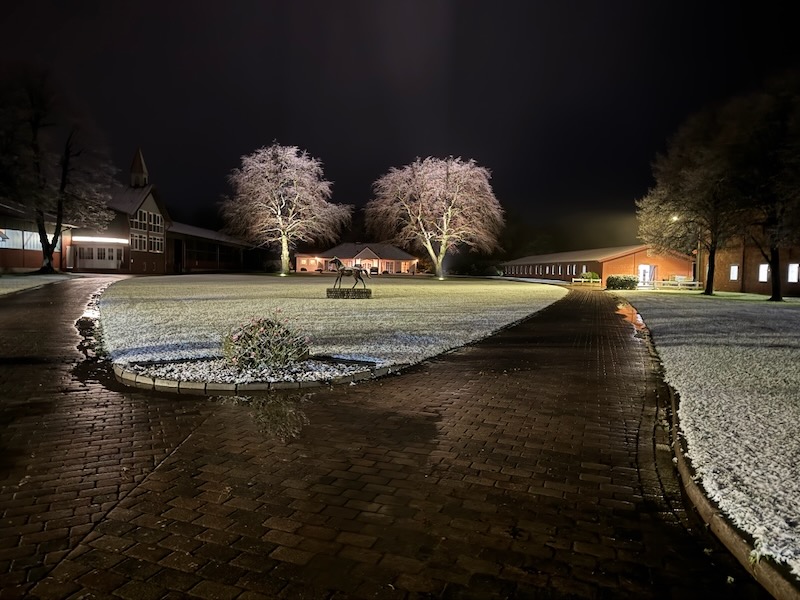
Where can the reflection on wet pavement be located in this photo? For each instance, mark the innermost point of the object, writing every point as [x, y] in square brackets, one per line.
[277, 415]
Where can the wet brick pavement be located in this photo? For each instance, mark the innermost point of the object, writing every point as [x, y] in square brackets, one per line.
[530, 465]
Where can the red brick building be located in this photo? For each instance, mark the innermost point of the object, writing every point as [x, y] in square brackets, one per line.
[744, 269]
[635, 260]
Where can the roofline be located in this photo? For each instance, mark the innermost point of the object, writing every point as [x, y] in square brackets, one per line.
[553, 256]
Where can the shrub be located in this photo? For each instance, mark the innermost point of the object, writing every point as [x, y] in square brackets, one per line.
[263, 342]
[589, 275]
[622, 282]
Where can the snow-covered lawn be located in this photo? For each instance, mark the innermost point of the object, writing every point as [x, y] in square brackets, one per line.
[735, 361]
[407, 319]
[15, 283]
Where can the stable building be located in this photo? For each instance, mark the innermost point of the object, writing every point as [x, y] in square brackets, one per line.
[743, 268]
[376, 258]
[20, 247]
[637, 260]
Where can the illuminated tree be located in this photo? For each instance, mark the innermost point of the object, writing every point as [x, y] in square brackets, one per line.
[436, 205]
[693, 204]
[280, 198]
[51, 162]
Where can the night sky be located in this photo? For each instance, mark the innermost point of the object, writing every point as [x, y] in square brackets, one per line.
[566, 103]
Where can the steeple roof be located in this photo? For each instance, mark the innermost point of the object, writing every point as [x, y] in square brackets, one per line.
[139, 175]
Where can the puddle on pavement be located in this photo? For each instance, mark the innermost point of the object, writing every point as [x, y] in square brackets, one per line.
[628, 312]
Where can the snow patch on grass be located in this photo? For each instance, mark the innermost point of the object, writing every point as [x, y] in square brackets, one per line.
[736, 365]
[172, 319]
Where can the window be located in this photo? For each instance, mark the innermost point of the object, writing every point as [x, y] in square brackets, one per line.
[155, 244]
[793, 273]
[139, 220]
[138, 242]
[734, 272]
[101, 254]
[85, 253]
[559, 269]
[583, 269]
[119, 254]
[156, 222]
[763, 272]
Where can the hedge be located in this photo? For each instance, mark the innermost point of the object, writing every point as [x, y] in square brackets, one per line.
[622, 282]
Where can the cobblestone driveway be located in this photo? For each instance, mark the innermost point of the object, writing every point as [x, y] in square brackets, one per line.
[530, 465]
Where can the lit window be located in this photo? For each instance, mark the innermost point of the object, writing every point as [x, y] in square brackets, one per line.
[734, 272]
[547, 270]
[793, 272]
[763, 272]
[559, 269]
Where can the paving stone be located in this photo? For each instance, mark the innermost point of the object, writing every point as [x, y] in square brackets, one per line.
[520, 466]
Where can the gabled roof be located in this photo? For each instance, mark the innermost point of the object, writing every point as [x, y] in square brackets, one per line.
[592, 255]
[208, 234]
[128, 199]
[350, 250]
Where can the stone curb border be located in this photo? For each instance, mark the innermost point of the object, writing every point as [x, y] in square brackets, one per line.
[211, 388]
[764, 570]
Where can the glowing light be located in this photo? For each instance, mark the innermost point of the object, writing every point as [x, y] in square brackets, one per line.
[284, 274]
[99, 240]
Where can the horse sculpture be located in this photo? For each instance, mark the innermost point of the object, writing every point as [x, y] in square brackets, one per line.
[355, 272]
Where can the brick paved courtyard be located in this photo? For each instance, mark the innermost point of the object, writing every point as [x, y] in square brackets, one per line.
[530, 465]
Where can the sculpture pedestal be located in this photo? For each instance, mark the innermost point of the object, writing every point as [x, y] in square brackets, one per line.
[349, 294]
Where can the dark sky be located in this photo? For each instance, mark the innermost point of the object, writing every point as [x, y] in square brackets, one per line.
[566, 102]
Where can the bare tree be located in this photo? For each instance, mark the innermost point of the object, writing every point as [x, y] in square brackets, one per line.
[280, 198]
[694, 204]
[766, 161]
[731, 174]
[50, 159]
[436, 205]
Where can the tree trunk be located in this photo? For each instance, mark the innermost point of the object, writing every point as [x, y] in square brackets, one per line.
[284, 255]
[48, 248]
[712, 264]
[437, 262]
[775, 267]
